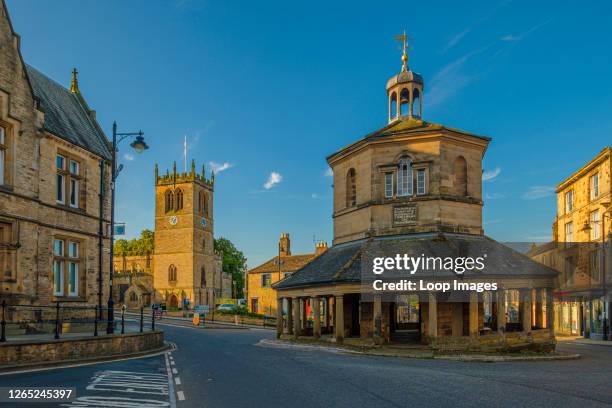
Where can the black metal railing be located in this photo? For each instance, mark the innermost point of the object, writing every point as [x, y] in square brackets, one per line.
[64, 320]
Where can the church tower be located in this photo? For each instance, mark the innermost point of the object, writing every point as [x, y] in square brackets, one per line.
[186, 270]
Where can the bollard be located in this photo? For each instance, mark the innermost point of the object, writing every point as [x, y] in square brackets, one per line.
[123, 320]
[96, 322]
[152, 319]
[3, 323]
[141, 318]
[57, 327]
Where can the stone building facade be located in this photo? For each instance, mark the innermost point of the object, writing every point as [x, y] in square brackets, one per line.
[414, 188]
[53, 158]
[580, 250]
[184, 269]
[261, 296]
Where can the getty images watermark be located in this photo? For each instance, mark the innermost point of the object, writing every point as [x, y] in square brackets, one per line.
[406, 264]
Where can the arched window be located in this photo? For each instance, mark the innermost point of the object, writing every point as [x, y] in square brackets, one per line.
[351, 188]
[169, 199]
[201, 204]
[178, 199]
[404, 101]
[404, 177]
[203, 277]
[133, 297]
[204, 198]
[393, 106]
[461, 180]
[416, 103]
[172, 273]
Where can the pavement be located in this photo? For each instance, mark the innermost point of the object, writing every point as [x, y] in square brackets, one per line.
[226, 368]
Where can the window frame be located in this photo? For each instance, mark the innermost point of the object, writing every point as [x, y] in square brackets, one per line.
[595, 222]
[569, 232]
[569, 201]
[265, 277]
[388, 180]
[423, 172]
[405, 177]
[69, 180]
[64, 260]
[594, 186]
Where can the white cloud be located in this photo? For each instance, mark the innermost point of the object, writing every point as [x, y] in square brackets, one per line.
[537, 192]
[273, 179]
[454, 40]
[494, 196]
[489, 175]
[314, 195]
[329, 172]
[219, 167]
[519, 37]
[128, 157]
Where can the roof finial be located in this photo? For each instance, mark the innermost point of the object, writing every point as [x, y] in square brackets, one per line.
[404, 39]
[74, 82]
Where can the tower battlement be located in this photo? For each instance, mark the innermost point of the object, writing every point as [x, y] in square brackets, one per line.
[175, 177]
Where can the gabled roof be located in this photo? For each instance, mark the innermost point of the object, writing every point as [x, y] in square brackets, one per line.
[289, 263]
[66, 116]
[345, 263]
[407, 125]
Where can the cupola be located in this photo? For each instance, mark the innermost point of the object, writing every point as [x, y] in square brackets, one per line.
[405, 90]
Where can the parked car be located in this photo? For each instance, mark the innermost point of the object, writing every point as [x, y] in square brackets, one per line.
[226, 306]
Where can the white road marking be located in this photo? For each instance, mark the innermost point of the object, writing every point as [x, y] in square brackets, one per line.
[170, 383]
[172, 362]
[177, 380]
[180, 395]
[174, 371]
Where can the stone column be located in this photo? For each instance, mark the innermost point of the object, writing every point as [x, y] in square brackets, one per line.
[377, 319]
[539, 312]
[290, 315]
[316, 328]
[550, 312]
[473, 317]
[525, 307]
[279, 317]
[501, 311]
[432, 314]
[339, 323]
[297, 325]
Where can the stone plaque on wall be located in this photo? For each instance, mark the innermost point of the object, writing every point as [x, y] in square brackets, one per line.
[403, 215]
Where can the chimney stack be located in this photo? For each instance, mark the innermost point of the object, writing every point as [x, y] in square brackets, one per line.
[320, 247]
[284, 245]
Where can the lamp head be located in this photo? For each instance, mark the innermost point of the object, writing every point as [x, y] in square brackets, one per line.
[139, 144]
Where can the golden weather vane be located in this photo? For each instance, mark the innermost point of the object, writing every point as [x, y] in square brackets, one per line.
[403, 38]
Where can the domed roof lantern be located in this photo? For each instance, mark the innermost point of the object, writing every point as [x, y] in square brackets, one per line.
[405, 90]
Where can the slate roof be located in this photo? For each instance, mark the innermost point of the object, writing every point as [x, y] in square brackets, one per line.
[66, 116]
[346, 262]
[288, 264]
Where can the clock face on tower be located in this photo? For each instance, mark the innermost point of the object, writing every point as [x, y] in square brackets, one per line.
[173, 220]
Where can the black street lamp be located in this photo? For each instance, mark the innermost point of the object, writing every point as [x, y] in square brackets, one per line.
[139, 146]
[604, 237]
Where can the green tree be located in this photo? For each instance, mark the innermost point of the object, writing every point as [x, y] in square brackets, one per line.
[138, 246]
[234, 262]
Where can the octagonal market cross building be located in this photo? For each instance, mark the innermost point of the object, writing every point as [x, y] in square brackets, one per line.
[415, 188]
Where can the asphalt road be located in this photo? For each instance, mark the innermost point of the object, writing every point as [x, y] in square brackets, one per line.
[225, 368]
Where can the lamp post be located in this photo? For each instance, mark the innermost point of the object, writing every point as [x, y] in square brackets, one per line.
[604, 237]
[139, 146]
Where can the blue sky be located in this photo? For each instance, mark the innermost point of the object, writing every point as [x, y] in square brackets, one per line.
[274, 87]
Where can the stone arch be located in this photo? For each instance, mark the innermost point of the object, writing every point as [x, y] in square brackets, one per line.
[461, 177]
[393, 105]
[169, 200]
[404, 102]
[172, 273]
[415, 106]
[173, 301]
[178, 198]
[351, 188]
